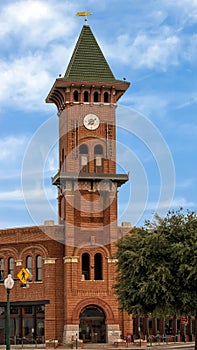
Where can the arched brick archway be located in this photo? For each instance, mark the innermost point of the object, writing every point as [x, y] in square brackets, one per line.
[93, 301]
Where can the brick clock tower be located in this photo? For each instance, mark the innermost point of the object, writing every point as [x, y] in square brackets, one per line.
[87, 184]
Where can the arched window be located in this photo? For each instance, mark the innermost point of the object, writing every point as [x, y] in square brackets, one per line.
[96, 96]
[98, 273]
[76, 96]
[86, 266]
[83, 152]
[29, 265]
[86, 96]
[1, 269]
[11, 266]
[106, 97]
[98, 159]
[38, 268]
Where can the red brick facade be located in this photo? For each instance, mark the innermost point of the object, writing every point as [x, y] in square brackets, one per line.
[72, 263]
[71, 294]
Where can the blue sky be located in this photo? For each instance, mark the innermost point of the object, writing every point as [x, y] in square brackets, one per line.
[151, 43]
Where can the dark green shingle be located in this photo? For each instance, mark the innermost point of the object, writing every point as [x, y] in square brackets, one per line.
[88, 62]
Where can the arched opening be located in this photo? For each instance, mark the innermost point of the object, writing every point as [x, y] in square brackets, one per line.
[76, 96]
[1, 269]
[86, 266]
[98, 273]
[83, 152]
[106, 97]
[98, 159]
[86, 96]
[29, 265]
[92, 326]
[38, 268]
[11, 267]
[96, 96]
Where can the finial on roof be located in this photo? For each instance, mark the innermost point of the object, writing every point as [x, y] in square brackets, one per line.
[85, 14]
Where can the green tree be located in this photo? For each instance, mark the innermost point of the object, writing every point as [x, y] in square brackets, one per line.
[157, 267]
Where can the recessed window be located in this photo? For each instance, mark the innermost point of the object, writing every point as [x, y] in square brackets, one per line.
[106, 97]
[1, 269]
[11, 266]
[98, 273]
[83, 152]
[98, 159]
[86, 96]
[38, 268]
[76, 96]
[96, 96]
[29, 265]
[86, 266]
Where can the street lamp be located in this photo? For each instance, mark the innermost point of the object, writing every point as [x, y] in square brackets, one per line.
[8, 283]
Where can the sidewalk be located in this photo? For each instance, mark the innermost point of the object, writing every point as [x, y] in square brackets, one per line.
[154, 346]
[190, 345]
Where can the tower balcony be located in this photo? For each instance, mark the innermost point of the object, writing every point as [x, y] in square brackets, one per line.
[62, 177]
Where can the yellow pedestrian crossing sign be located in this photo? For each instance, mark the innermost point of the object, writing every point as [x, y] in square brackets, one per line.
[23, 275]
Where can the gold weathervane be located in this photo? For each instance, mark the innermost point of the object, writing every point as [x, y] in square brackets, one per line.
[85, 14]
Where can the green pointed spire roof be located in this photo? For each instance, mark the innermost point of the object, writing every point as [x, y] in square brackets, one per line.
[88, 62]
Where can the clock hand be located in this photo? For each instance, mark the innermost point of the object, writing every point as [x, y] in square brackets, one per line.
[91, 121]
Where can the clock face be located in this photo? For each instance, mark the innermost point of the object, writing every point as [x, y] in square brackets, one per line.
[91, 121]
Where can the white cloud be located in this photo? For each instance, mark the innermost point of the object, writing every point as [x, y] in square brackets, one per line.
[36, 194]
[11, 148]
[185, 184]
[146, 51]
[186, 10]
[18, 19]
[149, 104]
[175, 203]
[27, 80]
[34, 49]
[158, 39]
[187, 100]
[140, 211]
[14, 195]
[23, 82]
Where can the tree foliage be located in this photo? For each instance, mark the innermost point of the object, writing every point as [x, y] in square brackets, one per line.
[157, 266]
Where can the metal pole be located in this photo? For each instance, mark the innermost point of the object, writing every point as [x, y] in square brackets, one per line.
[184, 330]
[8, 321]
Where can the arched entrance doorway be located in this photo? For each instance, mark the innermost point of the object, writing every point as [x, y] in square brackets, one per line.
[92, 326]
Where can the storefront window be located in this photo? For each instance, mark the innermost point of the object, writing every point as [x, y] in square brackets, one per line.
[26, 324]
